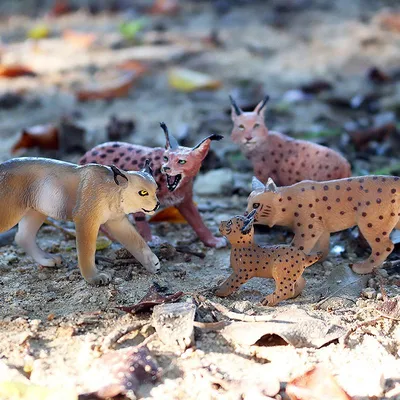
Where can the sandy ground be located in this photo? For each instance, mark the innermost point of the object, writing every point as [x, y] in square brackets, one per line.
[67, 320]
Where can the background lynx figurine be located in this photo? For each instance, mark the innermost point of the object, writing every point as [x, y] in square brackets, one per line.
[285, 264]
[281, 157]
[175, 168]
[315, 209]
[33, 188]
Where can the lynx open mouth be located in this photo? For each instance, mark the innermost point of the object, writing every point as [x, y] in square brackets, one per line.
[173, 181]
[154, 209]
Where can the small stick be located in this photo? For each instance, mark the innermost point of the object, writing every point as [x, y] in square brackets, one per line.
[126, 261]
[352, 330]
[66, 232]
[211, 326]
[233, 315]
[111, 339]
[186, 249]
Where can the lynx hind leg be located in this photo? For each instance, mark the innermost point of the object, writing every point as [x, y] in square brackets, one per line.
[26, 238]
[376, 231]
[288, 280]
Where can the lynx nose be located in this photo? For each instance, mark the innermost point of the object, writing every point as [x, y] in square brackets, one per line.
[165, 169]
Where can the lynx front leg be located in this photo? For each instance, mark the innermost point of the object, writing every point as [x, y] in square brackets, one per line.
[193, 217]
[26, 238]
[323, 245]
[127, 235]
[86, 235]
[232, 284]
[307, 238]
[143, 226]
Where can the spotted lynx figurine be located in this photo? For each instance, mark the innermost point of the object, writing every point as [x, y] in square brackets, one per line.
[280, 157]
[313, 210]
[285, 264]
[175, 168]
[33, 188]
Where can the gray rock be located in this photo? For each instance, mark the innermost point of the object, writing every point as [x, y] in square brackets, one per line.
[216, 182]
[174, 324]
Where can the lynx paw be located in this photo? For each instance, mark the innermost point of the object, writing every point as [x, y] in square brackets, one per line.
[152, 263]
[50, 260]
[269, 300]
[100, 279]
[363, 268]
[217, 242]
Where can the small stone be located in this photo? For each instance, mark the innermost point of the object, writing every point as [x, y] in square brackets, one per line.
[119, 281]
[42, 276]
[327, 265]
[10, 258]
[369, 293]
[173, 323]
[383, 273]
[93, 299]
[242, 306]
[371, 283]
[379, 296]
[214, 182]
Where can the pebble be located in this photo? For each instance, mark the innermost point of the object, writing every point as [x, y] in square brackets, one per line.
[383, 273]
[215, 182]
[371, 283]
[327, 264]
[369, 293]
[119, 281]
[242, 306]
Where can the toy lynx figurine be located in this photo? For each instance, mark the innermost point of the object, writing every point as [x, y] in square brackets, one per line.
[285, 264]
[33, 188]
[175, 168]
[313, 210]
[280, 157]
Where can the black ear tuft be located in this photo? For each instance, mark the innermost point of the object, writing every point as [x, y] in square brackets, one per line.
[117, 173]
[216, 137]
[237, 109]
[147, 167]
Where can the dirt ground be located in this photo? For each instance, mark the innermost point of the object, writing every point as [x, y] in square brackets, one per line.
[52, 323]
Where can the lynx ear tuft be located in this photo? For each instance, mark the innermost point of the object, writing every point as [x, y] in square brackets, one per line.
[235, 107]
[248, 223]
[170, 141]
[147, 169]
[261, 104]
[117, 173]
[270, 186]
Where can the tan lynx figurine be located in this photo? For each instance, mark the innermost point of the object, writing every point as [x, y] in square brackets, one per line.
[33, 188]
[285, 264]
[313, 210]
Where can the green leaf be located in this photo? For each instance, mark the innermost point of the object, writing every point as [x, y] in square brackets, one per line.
[319, 134]
[130, 29]
[390, 170]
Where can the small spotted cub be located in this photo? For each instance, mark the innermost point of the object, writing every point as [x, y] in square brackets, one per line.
[284, 263]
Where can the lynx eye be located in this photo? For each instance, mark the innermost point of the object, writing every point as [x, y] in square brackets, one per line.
[256, 205]
[256, 126]
[229, 223]
[241, 127]
[143, 193]
[181, 161]
[165, 158]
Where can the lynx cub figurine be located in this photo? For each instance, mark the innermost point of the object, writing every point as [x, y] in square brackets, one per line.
[33, 188]
[175, 169]
[313, 210]
[281, 157]
[285, 264]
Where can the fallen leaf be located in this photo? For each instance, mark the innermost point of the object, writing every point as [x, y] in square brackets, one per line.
[164, 7]
[103, 242]
[38, 32]
[295, 327]
[118, 129]
[186, 80]
[316, 87]
[15, 71]
[115, 89]
[44, 137]
[130, 29]
[361, 137]
[23, 391]
[151, 299]
[378, 76]
[316, 384]
[79, 39]
[61, 7]
[342, 288]
[121, 372]
[169, 214]
[133, 66]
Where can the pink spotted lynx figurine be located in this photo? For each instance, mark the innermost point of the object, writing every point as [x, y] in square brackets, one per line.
[285, 264]
[175, 168]
[280, 157]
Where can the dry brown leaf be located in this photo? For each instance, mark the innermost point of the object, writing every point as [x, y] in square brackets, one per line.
[295, 327]
[79, 39]
[169, 214]
[115, 89]
[164, 7]
[44, 137]
[133, 66]
[152, 298]
[186, 80]
[316, 384]
[15, 71]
